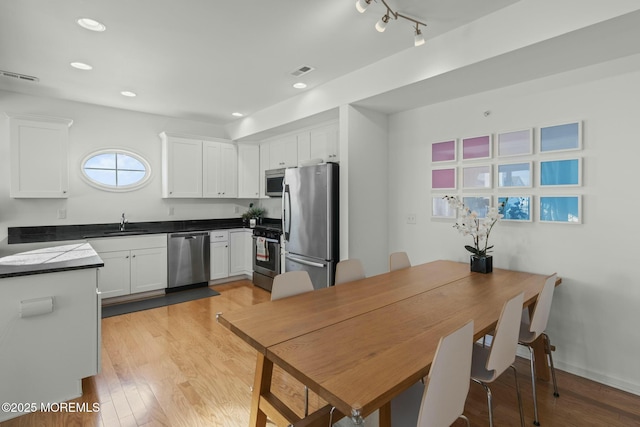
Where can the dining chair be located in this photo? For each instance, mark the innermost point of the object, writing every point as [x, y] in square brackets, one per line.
[288, 284]
[447, 385]
[349, 270]
[531, 329]
[489, 363]
[398, 261]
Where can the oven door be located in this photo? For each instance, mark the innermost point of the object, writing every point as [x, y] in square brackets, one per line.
[271, 266]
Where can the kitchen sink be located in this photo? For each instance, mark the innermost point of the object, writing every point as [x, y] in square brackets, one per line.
[115, 233]
[118, 232]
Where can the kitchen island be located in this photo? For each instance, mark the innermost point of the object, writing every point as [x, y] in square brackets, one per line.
[49, 324]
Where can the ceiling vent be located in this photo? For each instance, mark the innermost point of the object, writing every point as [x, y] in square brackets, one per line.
[301, 71]
[19, 76]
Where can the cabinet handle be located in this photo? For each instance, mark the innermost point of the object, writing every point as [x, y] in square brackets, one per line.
[64, 191]
[127, 257]
[133, 256]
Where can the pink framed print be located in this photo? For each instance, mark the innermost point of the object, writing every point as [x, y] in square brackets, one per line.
[477, 147]
[444, 151]
[443, 179]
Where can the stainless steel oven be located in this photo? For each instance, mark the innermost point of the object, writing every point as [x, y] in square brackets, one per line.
[266, 256]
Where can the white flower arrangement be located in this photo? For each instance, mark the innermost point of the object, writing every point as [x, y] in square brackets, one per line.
[469, 224]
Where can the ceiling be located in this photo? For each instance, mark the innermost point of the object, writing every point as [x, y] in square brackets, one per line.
[204, 59]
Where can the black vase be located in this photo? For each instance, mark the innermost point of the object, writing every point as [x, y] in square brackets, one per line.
[482, 264]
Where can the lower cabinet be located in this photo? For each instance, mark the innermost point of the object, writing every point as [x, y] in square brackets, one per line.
[219, 254]
[241, 252]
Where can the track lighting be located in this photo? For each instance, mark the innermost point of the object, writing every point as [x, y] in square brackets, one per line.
[381, 25]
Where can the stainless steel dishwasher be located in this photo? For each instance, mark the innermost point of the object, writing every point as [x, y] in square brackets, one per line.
[188, 259]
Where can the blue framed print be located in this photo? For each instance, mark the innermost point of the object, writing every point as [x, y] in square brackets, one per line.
[478, 204]
[561, 173]
[514, 175]
[515, 208]
[561, 209]
[561, 137]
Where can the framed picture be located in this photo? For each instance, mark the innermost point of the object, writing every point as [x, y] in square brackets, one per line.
[479, 204]
[563, 137]
[477, 147]
[440, 208]
[561, 209]
[515, 208]
[443, 151]
[514, 175]
[443, 179]
[561, 173]
[476, 176]
[515, 143]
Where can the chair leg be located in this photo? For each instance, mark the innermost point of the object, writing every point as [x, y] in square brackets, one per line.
[547, 347]
[515, 376]
[489, 400]
[306, 401]
[464, 417]
[533, 387]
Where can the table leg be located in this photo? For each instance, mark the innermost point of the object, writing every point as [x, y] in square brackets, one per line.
[385, 415]
[261, 385]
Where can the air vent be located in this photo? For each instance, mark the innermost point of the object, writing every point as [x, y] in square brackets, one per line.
[301, 71]
[19, 76]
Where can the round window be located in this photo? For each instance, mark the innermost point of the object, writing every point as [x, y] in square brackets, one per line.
[116, 170]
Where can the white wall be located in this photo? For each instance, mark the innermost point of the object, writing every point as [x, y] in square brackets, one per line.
[594, 317]
[95, 128]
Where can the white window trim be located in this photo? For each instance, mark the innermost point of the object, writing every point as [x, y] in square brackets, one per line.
[143, 182]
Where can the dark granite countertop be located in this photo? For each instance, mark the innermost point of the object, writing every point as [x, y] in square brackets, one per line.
[75, 256]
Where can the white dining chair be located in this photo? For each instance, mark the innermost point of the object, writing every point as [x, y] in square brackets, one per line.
[447, 385]
[532, 328]
[398, 261]
[490, 362]
[349, 270]
[288, 284]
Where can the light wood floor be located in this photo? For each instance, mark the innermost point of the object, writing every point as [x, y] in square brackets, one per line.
[175, 366]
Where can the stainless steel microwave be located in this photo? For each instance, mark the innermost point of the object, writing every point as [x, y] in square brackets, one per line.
[273, 182]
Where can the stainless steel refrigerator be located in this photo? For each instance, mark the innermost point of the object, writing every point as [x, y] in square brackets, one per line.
[310, 221]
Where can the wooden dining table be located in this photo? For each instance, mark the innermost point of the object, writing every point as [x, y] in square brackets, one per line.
[360, 344]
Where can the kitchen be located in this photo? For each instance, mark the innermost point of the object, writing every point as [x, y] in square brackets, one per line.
[381, 170]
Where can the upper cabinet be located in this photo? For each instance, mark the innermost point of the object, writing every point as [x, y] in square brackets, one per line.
[39, 156]
[248, 171]
[319, 143]
[196, 168]
[283, 152]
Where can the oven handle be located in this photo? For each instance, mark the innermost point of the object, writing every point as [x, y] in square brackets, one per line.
[268, 240]
[305, 262]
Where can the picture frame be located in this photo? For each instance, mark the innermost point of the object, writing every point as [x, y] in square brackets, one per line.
[479, 204]
[560, 172]
[476, 148]
[440, 208]
[477, 177]
[514, 175]
[560, 209]
[517, 208]
[515, 143]
[444, 178]
[560, 137]
[444, 151]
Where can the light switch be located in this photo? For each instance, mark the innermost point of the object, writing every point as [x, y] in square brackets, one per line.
[411, 218]
[62, 213]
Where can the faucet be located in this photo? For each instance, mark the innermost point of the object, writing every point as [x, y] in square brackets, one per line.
[123, 221]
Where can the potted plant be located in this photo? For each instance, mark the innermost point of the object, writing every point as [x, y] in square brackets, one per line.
[470, 224]
[253, 215]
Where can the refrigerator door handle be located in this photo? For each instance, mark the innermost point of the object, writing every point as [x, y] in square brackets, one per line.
[305, 262]
[286, 218]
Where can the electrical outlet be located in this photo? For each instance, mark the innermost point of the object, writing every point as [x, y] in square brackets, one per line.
[171, 210]
[411, 218]
[62, 213]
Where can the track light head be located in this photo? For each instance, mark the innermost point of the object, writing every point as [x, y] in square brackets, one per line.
[361, 5]
[419, 38]
[382, 23]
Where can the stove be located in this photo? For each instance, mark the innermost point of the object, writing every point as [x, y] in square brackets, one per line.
[266, 254]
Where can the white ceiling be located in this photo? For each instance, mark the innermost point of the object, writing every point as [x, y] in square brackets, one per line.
[204, 59]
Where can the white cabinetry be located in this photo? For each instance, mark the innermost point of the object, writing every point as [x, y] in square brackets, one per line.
[283, 152]
[248, 171]
[264, 165]
[131, 264]
[319, 143]
[194, 168]
[219, 266]
[39, 159]
[240, 252]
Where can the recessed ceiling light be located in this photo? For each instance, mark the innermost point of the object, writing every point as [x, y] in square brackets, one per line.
[299, 85]
[81, 66]
[91, 24]
[128, 93]
[236, 114]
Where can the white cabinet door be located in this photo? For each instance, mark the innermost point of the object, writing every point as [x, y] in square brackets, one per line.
[220, 170]
[114, 278]
[237, 251]
[324, 143]
[228, 171]
[39, 158]
[304, 147]
[264, 165]
[248, 171]
[283, 152]
[182, 167]
[219, 260]
[148, 269]
[247, 236]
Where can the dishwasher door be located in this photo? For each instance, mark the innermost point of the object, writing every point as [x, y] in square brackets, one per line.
[188, 258]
